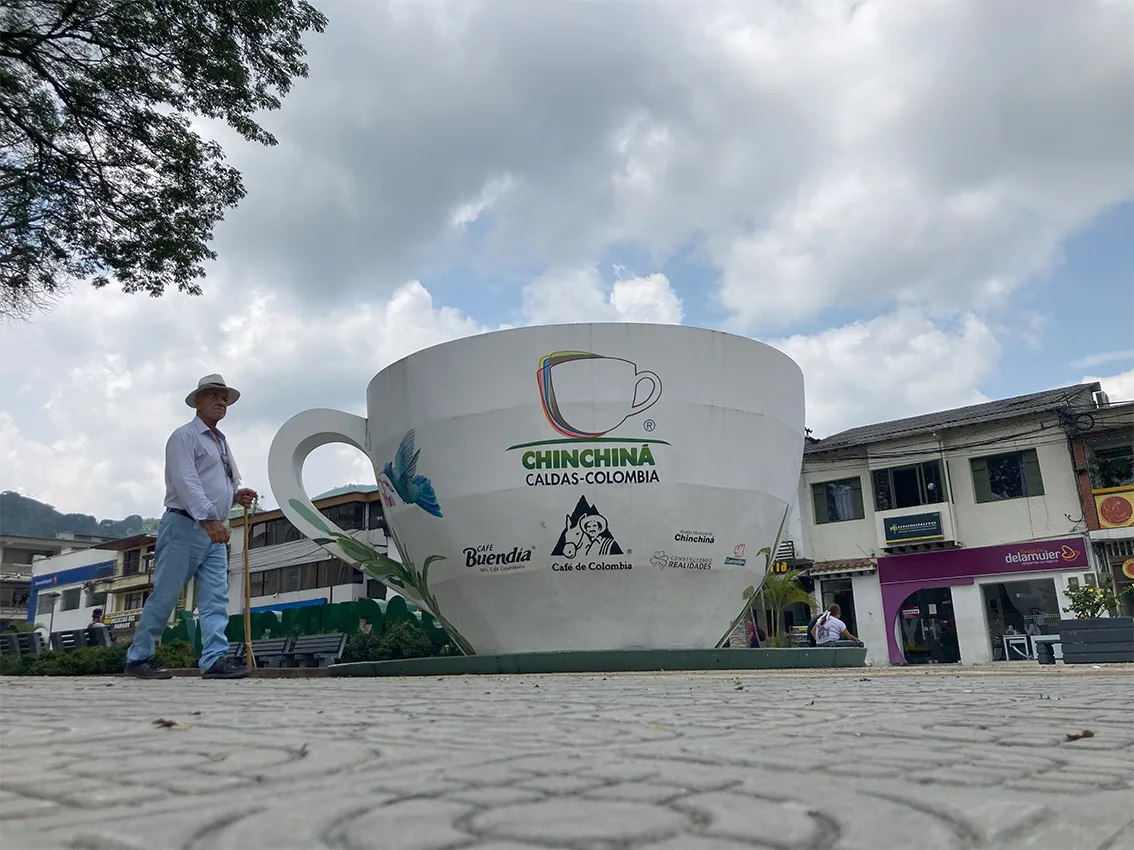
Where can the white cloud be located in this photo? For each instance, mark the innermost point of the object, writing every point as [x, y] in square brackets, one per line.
[1119, 387]
[861, 158]
[578, 295]
[896, 365]
[1092, 360]
[96, 442]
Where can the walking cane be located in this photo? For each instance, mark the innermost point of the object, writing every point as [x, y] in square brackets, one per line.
[248, 654]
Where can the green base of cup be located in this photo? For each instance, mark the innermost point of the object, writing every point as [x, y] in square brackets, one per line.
[610, 661]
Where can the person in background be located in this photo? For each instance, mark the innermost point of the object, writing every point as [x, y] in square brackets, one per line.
[97, 624]
[756, 636]
[831, 631]
[202, 484]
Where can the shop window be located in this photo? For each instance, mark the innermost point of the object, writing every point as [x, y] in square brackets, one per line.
[838, 501]
[1015, 475]
[909, 486]
[1017, 610]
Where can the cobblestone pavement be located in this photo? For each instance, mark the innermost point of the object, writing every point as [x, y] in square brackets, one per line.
[864, 759]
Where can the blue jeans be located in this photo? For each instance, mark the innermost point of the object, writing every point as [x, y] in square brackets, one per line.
[184, 551]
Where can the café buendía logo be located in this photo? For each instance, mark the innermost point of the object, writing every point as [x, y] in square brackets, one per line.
[490, 560]
[586, 396]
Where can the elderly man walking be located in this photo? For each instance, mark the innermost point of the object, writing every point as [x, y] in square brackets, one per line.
[201, 486]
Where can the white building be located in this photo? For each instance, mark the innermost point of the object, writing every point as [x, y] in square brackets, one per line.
[66, 588]
[951, 536]
[18, 553]
[289, 571]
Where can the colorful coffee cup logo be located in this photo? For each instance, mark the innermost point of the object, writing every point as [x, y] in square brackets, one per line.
[578, 387]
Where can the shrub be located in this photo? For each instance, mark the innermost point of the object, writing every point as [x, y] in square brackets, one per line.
[400, 639]
[90, 661]
[1090, 603]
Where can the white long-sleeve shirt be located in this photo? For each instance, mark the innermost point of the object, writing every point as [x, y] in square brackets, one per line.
[196, 480]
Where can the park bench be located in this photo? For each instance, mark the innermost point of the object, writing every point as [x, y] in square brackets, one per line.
[9, 645]
[269, 652]
[69, 640]
[317, 650]
[30, 643]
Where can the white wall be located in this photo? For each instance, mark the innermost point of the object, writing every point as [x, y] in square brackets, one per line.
[976, 525]
[1013, 520]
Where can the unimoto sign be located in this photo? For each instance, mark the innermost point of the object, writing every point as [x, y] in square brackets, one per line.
[638, 456]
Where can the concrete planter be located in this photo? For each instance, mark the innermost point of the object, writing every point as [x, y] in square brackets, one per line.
[1102, 641]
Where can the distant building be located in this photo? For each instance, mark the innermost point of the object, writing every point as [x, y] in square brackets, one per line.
[17, 556]
[953, 536]
[1103, 453]
[289, 571]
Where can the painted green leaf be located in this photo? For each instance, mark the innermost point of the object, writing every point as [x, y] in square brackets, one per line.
[425, 569]
[355, 550]
[749, 592]
[767, 553]
[309, 515]
[322, 541]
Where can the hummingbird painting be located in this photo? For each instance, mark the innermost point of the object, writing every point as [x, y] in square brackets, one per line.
[413, 489]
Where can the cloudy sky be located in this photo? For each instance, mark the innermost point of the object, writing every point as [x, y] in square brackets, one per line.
[926, 204]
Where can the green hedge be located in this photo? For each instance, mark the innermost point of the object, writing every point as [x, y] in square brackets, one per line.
[91, 661]
[400, 639]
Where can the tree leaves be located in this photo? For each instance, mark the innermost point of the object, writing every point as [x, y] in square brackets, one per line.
[101, 174]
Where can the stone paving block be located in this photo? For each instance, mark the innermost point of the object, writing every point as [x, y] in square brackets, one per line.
[902, 759]
[578, 822]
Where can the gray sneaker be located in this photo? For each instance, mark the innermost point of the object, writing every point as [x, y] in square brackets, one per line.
[226, 668]
[147, 668]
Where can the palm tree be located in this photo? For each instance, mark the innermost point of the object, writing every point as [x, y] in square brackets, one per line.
[780, 591]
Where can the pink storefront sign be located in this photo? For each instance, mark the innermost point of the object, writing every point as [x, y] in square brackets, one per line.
[902, 575]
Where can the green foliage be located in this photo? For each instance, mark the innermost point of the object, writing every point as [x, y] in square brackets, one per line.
[782, 590]
[91, 661]
[400, 639]
[1090, 603]
[35, 519]
[102, 175]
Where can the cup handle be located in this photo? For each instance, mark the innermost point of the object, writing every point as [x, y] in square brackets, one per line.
[296, 439]
[655, 391]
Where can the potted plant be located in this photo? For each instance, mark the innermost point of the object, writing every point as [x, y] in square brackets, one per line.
[1096, 635]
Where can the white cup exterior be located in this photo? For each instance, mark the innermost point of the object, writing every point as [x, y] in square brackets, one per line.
[573, 487]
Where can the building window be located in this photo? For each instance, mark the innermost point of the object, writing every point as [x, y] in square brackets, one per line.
[133, 562]
[1113, 467]
[96, 598]
[273, 532]
[133, 601]
[348, 517]
[909, 486]
[309, 577]
[271, 582]
[375, 589]
[256, 584]
[1015, 475]
[70, 599]
[838, 501]
[43, 605]
[377, 519]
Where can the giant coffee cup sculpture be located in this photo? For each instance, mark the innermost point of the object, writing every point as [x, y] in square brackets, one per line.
[570, 487]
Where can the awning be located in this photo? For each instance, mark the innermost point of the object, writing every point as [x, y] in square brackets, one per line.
[850, 566]
[1103, 534]
[279, 606]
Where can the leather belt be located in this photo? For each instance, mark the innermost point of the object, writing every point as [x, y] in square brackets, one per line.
[185, 514]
